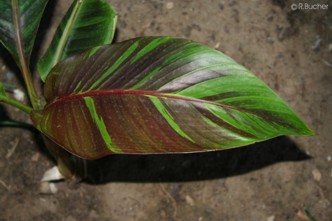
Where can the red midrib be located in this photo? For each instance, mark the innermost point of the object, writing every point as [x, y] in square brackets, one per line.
[120, 92]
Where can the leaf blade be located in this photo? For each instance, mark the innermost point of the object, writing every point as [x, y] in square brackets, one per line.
[19, 21]
[88, 23]
[178, 96]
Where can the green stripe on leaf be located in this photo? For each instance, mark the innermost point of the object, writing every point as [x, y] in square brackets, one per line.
[152, 73]
[168, 117]
[116, 65]
[98, 120]
[87, 24]
[149, 47]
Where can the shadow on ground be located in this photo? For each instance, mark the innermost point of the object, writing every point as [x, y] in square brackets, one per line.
[179, 167]
[193, 166]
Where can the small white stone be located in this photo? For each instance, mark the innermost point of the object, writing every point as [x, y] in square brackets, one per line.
[189, 200]
[329, 158]
[52, 175]
[317, 175]
[18, 94]
[53, 188]
[170, 5]
[44, 188]
[35, 157]
[48, 188]
[270, 218]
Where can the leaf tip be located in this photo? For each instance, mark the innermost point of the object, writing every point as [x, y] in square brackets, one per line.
[305, 130]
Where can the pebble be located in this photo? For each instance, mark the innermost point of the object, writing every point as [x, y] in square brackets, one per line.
[48, 188]
[329, 158]
[35, 157]
[317, 175]
[189, 200]
[270, 218]
[170, 5]
[52, 174]
[18, 94]
[302, 215]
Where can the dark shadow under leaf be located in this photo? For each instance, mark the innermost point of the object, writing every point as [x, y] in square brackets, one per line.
[6, 121]
[194, 166]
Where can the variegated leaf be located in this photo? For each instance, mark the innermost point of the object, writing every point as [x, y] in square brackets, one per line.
[19, 21]
[159, 95]
[88, 23]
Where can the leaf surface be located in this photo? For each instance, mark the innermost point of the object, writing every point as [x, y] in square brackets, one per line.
[19, 21]
[88, 23]
[159, 95]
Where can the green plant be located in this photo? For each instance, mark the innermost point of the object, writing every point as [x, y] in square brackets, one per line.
[143, 95]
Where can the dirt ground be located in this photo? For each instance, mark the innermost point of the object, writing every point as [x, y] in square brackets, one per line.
[275, 180]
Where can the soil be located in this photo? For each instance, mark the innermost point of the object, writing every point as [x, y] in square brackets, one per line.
[287, 178]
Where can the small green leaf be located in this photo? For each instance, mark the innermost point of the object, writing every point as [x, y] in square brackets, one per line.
[19, 21]
[14, 123]
[8, 100]
[159, 95]
[88, 23]
[310, 216]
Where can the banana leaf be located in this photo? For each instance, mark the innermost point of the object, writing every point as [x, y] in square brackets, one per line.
[159, 95]
[19, 21]
[87, 23]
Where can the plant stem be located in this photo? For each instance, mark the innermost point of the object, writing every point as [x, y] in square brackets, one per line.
[16, 104]
[24, 65]
[30, 87]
